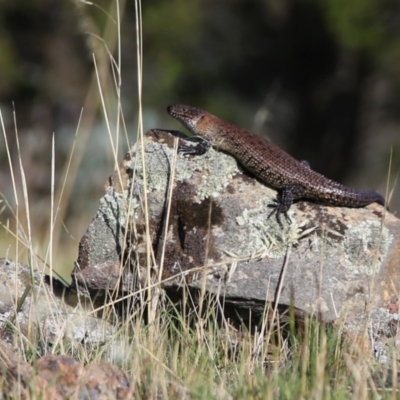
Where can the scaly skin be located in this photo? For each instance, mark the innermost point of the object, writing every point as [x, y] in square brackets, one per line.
[273, 166]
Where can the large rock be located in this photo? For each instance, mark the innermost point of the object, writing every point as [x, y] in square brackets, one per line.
[332, 262]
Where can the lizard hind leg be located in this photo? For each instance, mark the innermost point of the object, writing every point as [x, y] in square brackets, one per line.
[283, 202]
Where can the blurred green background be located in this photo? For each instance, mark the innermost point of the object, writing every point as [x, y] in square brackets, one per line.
[321, 78]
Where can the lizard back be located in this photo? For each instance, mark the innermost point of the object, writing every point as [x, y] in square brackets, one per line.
[268, 162]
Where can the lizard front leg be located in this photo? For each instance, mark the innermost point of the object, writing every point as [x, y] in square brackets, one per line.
[198, 149]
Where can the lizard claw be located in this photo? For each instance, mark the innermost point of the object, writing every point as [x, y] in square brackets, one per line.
[282, 203]
[278, 209]
[187, 150]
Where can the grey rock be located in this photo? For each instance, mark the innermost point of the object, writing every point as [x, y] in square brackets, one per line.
[32, 314]
[28, 307]
[333, 262]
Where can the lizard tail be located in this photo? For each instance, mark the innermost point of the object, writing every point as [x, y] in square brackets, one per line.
[374, 197]
[366, 197]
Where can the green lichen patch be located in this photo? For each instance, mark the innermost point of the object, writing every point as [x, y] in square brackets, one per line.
[217, 170]
[366, 246]
[158, 159]
[266, 238]
[113, 207]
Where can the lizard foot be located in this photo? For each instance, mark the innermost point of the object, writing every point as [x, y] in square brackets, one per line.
[279, 208]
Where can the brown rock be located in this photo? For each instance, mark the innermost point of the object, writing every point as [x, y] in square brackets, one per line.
[71, 380]
[18, 379]
[59, 377]
[62, 373]
[106, 381]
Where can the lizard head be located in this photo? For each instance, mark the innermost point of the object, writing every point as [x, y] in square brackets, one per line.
[191, 117]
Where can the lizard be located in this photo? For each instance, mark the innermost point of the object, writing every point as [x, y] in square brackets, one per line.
[293, 179]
